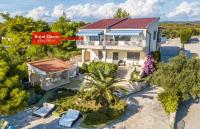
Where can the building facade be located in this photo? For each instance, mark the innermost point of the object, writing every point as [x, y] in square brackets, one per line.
[119, 40]
[50, 73]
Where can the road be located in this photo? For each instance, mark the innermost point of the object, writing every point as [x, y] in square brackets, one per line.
[171, 48]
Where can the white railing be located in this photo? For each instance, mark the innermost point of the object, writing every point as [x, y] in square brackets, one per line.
[124, 43]
[94, 43]
[112, 43]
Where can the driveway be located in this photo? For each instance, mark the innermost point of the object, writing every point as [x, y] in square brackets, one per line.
[144, 111]
[25, 120]
[188, 115]
[172, 48]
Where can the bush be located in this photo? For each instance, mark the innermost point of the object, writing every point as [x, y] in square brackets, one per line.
[156, 55]
[135, 76]
[149, 65]
[115, 111]
[84, 68]
[169, 101]
[185, 35]
[37, 88]
[96, 118]
[107, 69]
[102, 116]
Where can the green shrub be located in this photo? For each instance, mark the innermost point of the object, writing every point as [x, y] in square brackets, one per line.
[105, 115]
[107, 69]
[115, 111]
[185, 35]
[84, 68]
[156, 55]
[37, 88]
[135, 76]
[96, 118]
[169, 101]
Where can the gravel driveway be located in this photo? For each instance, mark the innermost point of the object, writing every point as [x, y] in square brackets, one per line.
[144, 112]
[188, 115]
[172, 48]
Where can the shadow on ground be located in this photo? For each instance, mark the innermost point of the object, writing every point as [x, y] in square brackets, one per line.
[182, 112]
[134, 106]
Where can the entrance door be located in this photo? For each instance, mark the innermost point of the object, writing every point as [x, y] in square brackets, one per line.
[87, 56]
[115, 55]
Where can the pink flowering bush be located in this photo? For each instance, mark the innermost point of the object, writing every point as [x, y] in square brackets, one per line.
[149, 66]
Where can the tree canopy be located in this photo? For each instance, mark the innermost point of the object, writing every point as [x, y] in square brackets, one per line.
[180, 76]
[180, 79]
[120, 13]
[185, 36]
[16, 35]
[16, 32]
[12, 96]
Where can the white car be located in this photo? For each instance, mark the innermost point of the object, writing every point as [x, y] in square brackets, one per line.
[46, 109]
[69, 118]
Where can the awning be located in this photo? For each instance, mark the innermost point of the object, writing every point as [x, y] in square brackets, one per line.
[124, 32]
[89, 32]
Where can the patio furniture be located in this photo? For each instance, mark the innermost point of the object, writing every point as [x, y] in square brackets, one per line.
[121, 63]
[45, 110]
[69, 118]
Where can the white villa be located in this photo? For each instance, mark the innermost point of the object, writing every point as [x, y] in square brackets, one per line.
[119, 40]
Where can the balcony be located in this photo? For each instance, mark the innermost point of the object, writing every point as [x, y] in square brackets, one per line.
[89, 44]
[115, 45]
[125, 45]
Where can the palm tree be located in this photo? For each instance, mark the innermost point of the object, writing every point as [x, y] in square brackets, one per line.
[99, 86]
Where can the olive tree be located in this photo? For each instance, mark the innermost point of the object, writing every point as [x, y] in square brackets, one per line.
[180, 77]
[185, 35]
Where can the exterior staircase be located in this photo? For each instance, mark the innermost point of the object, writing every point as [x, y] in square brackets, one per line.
[122, 76]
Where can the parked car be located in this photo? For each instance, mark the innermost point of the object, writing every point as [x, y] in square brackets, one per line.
[69, 118]
[3, 124]
[45, 110]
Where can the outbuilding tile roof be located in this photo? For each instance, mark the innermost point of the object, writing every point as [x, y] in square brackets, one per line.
[51, 65]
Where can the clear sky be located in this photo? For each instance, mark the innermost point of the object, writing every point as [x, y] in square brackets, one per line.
[90, 10]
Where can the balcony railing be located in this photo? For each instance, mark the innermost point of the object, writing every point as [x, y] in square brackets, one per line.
[124, 43]
[93, 43]
[111, 44]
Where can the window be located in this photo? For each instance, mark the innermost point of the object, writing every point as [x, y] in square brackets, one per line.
[154, 35]
[124, 38]
[133, 55]
[94, 38]
[115, 55]
[100, 55]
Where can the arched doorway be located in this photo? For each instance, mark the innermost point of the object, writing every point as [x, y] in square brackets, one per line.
[35, 79]
[87, 56]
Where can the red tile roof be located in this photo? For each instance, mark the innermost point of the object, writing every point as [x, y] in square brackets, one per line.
[139, 23]
[102, 24]
[51, 65]
[119, 23]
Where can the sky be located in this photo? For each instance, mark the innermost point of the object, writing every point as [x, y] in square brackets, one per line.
[92, 10]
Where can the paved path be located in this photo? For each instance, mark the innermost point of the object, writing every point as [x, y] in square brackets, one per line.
[189, 114]
[144, 112]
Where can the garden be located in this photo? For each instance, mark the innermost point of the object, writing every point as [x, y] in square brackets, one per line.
[96, 99]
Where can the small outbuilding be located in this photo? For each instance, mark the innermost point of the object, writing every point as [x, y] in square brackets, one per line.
[49, 73]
